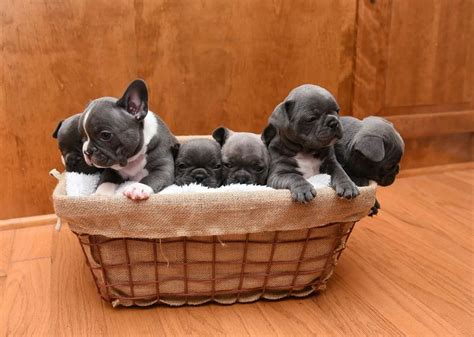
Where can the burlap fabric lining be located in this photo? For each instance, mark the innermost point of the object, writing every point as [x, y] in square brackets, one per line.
[225, 247]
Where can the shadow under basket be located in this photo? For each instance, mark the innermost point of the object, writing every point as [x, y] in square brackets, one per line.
[221, 247]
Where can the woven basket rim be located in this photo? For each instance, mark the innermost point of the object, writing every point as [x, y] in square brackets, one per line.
[191, 214]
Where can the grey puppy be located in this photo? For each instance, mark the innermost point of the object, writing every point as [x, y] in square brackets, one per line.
[70, 144]
[245, 157]
[300, 137]
[198, 161]
[371, 149]
[129, 142]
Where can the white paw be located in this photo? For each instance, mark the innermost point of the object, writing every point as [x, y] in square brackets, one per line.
[138, 191]
[106, 189]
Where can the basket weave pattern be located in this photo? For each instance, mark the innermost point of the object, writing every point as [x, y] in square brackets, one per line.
[225, 269]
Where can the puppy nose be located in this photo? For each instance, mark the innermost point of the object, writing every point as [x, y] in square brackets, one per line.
[242, 178]
[199, 179]
[199, 175]
[332, 123]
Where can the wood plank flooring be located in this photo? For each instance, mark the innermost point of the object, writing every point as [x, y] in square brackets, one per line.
[408, 271]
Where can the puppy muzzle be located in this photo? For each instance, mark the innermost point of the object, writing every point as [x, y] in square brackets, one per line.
[241, 177]
[334, 125]
[199, 175]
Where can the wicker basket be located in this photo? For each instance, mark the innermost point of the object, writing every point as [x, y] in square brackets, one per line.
[222, 247]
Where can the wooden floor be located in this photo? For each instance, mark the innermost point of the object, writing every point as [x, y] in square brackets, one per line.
[409, 271]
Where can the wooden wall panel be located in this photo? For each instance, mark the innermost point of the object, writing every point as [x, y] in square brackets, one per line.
[428, 53]
[414, 57]
[414, 66]
[225, 62]
[207, 62]
[55, 56]
[438, 150]
[213, 62]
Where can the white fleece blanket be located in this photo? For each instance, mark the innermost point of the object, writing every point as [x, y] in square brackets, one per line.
[79, 184]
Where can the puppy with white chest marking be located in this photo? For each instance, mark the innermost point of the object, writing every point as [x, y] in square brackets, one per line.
[129, 143]
[70, 144]
[300, 137]
[244, 155]
[198, 161]
[371, 149]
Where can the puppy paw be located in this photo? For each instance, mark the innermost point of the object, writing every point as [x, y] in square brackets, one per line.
[375, 209]
[303, 193]
[347, 190]
[105, 189]
[138, 191]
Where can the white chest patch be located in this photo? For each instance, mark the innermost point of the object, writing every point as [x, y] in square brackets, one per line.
[307, 164]
[135, 170]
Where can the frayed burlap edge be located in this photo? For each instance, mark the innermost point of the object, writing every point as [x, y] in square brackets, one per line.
[193, 214]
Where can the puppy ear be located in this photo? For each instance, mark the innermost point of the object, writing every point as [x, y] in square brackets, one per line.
[371, 147]
[55, 133]
[135, 99]
[268, 134]
[221, 134]
[175, 150]
[280, 117]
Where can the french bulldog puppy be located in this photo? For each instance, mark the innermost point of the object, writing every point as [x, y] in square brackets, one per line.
[245, 157]
[300, 136]
[198, 161]
[129, 143]
[70, 144]
[371, 149]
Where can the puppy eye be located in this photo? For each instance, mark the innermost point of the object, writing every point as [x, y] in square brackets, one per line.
[181, 166]
[106, 136]
[228, 165]
[217, 166]
[259, 168]
[311, 119]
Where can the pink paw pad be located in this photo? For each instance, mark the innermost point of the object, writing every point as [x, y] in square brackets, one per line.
[138, 191]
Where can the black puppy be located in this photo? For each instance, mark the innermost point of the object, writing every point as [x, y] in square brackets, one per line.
[198, 161]
[245, 157]
[300, 136]
[70, 144]
[370, 149]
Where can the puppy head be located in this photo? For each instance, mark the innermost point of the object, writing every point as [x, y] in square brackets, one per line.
[244, 155]
[113, 129]
[70, 144]
[376, 150]
[199, 161]
[309, 116]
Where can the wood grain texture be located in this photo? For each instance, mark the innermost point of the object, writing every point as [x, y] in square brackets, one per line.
[373, 29]
[88, 319]
[30, 221]
[25, 309]
[434, 124]
[32, 243]
[206, 62]
[438, 150]
[50, 69]
[406, 272]
[216, 62]
[413, 65]
[413, 57]
[428, 50]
